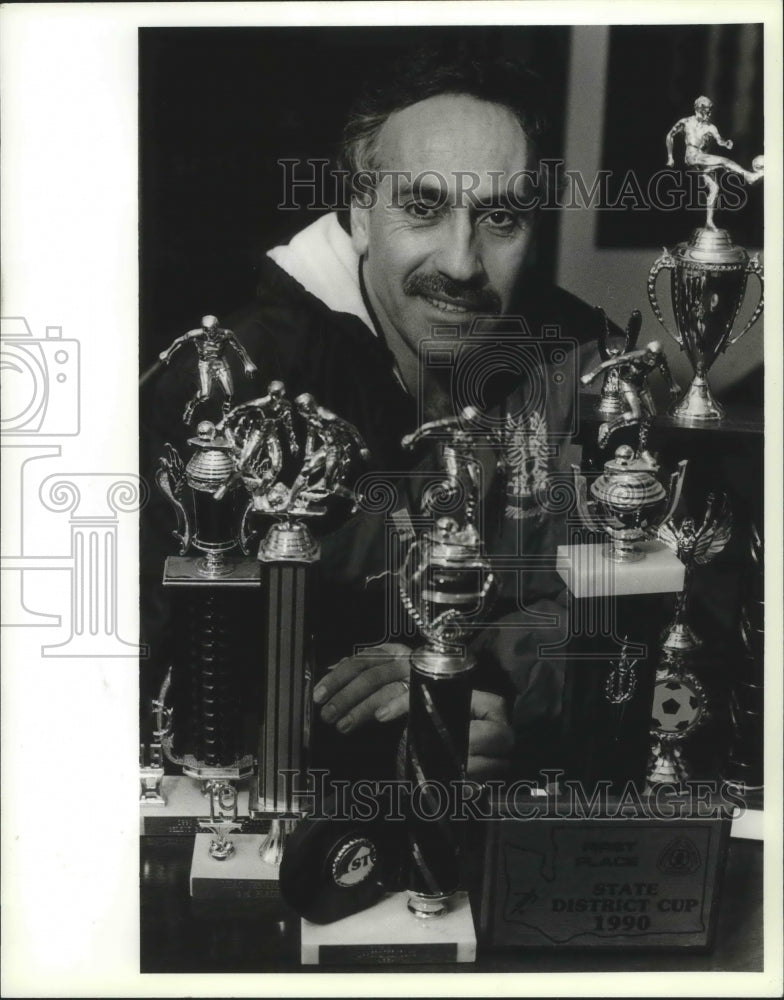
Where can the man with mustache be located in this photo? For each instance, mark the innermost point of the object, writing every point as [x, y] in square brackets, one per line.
[443, 167]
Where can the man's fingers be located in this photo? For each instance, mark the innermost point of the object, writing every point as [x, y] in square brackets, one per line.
[386, 697]
[488, 706]
[490, 739]
[362, 687]
[397, 706]
[340, 674]
[345, 670]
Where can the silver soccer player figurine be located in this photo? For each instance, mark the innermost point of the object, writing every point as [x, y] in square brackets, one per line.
[211, 342]
[699, 133]
[633, 369]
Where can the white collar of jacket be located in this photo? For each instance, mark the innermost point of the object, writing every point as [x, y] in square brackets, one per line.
[322, 259]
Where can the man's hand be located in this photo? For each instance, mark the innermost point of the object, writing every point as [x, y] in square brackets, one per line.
[490, 738]
[250, 368]
[670, 161]
[371, 684]
[374, 684]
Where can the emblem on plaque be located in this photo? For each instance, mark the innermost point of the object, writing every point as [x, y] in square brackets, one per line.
[681, 857]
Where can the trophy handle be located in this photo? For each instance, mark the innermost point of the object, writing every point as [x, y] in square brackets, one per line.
[581, 499]
[247, 534]
[665, 262]
[676, 485]
[163, 720]
[170, 478]
[754, 267]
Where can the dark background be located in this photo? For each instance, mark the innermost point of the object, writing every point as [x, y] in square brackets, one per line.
[218, 107]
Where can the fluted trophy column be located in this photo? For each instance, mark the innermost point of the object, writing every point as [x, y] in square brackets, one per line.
[288, 556]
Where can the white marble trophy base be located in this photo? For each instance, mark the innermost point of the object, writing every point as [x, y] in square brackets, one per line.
[587, 572]
[185, 805]
[388, 934]
[243, 875]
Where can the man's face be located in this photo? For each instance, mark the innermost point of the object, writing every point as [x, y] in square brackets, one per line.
[704, 112]
[452, 247]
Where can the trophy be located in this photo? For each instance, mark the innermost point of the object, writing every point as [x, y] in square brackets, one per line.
[445, 582]
[611, 402]
[200, 721]
[708, 272]
[679, 701]
[629, 502]
[679, 707]
[207, 613]
[693, 546]
[342, 877]
[288, 557]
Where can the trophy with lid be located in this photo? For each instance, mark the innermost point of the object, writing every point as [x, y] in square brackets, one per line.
[199, 718]
[708, 272]
[343, 878]
[628, 502]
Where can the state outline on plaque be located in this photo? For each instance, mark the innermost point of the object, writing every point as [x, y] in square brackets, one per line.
[547, 873]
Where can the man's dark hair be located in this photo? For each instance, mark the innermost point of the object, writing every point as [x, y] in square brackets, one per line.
[430, 72]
